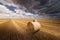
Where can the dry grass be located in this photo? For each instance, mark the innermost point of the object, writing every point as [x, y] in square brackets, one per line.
[17, 30]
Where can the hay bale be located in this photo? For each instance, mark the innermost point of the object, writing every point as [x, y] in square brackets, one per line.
[33, 26]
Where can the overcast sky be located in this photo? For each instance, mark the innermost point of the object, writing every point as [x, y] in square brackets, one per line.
[14, 7]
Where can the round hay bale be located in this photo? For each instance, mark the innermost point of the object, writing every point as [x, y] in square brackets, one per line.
[33, 26]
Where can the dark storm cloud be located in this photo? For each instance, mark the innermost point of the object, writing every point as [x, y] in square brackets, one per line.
[50, 8]
[31, 4]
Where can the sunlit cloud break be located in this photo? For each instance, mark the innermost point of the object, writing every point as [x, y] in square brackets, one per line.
[7, 11]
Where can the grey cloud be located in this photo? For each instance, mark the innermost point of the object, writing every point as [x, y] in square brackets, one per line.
[50, 8]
